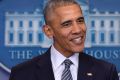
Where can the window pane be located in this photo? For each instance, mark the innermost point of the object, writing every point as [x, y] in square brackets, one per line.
[30, 24]
[30, 37]
[93, 37]
[111, 37]
[11, 24]
[21, 23]
[111, 23]
[20, 37]
[92, 23]
[102, 23]
[40, 37]
[11, 37]
[40, 23]
[102, 37]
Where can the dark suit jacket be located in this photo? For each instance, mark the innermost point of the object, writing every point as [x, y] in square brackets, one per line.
[40, 68]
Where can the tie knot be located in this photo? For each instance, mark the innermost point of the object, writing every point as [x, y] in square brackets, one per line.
[68, 63]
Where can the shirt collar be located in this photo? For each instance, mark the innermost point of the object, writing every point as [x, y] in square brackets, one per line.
[57, 58]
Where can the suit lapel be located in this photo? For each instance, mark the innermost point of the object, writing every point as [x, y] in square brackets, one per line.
[45, 71]
[85, 68]
[45, 67]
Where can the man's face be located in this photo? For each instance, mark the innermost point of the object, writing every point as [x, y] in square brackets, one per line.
[68, 29]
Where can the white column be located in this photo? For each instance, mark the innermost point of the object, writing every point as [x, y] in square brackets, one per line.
[16, 26]
[7, 22]
[97, 28]
[26, 32]
[35, 25]
[116, 27]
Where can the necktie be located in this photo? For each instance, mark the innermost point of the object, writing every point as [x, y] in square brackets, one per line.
[66, 75]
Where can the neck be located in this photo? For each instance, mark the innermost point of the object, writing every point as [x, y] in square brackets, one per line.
[64, 52]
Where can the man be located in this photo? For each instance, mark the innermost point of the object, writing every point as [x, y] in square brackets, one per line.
[65, 59]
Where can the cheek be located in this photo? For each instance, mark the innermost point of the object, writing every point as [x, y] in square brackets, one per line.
[83, 28]
[62, 34]
[65, 34]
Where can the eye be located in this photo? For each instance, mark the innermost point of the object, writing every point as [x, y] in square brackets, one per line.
[67, 24]
[80, 20]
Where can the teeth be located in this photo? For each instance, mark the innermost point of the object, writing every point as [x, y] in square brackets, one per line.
[77, 40]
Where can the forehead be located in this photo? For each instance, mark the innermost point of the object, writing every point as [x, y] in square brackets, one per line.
[63, 13]
[64, 7]
[68, 11]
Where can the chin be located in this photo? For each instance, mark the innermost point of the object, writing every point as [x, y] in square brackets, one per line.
[78, 50]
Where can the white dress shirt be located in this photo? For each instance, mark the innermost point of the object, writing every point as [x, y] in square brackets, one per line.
[57, 64]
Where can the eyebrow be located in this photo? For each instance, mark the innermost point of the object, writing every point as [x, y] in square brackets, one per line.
[80, 18]
[68, 21]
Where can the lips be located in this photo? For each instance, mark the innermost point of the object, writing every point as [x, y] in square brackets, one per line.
[77, 40]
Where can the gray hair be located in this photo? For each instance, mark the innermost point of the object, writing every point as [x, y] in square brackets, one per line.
[51, 5]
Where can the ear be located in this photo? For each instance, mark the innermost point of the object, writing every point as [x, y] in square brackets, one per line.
[48, 31]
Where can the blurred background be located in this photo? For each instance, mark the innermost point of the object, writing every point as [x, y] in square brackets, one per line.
[21, 36]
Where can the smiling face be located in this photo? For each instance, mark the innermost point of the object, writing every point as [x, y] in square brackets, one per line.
[68, 29]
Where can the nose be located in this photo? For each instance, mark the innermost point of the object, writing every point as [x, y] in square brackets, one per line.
[76, 28]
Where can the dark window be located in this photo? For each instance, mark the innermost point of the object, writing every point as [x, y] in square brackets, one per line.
[93, 37]
[112, 37]
[92, 23]
[30, 23]
[11, 24]
[21, 23]
[11, 37]
[40, 37]
[20, 37]
[40, 23]
[102, 37]
[102, 23]
[30, 37]
[111, 23]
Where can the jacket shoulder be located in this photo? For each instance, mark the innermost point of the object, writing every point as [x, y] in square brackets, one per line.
[104, 68]
[29, 64]
[99, 63]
